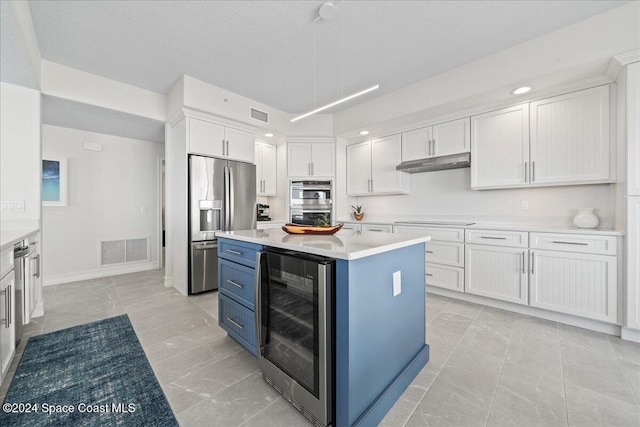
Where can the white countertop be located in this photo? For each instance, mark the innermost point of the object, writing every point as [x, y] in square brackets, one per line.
[541, 228]
[345, 244]
[9, 237]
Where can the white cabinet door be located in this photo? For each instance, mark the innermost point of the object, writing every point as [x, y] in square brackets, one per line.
[7, 333]
[496, 272]
[385, 156]
[359, 169]
[500, 148]
[322, 158]
[240, 145]
[580, 284]
[206, 138]
[633, 266]
[633, 129]
[415, 144]
[570, 138]
[451, 137]
[258, 155]
[299, 159]
[269, 170]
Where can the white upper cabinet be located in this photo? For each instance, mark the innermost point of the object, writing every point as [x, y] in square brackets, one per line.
[500, 148]
[371, 168]
[266, 169]
[633, 129]
[570, 138]
[439, 140]
[212, 139]
[310, 159]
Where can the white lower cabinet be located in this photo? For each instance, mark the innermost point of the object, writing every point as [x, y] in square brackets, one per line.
[444, 276]
[633, 266]
[496, 272]
[351, 226]
[7, 325]
[575, 283]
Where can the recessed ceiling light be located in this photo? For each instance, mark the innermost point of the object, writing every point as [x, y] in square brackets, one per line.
[364, 132]
[521, 90]
[268, 135]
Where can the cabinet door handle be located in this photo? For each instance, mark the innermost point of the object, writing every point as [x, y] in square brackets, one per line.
[570, 243]
[434, 147]
[533, 171]
[522, 262]
[493, 238]
[4, 293]
[227, 147]
[532, 263]
[237, 285]
[372, 185]
[223, 147]
[239, 325]
[231, 251]
[312, 168]
[525, 171]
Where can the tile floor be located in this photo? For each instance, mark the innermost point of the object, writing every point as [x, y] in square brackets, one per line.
[488, 367]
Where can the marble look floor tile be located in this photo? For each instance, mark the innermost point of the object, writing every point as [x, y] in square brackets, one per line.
[583, 338]
[185, 341]
[487, 338]
[434, 304]
[232, 406]
[278, 414]
[597, 372]
[632, 372]
[399, 414]
[625, 350]
[463, 308]
[587, 408]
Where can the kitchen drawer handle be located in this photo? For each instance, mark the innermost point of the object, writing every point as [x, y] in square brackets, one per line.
[429, 274]
[375, 229]
[231, 251]
[429, 252]
[238, 285]
[570, 243]
[235, 323]
[493, 238]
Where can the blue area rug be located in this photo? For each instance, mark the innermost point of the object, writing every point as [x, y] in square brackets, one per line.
[89, 375]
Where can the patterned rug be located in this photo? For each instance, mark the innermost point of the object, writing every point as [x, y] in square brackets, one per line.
[89, 375]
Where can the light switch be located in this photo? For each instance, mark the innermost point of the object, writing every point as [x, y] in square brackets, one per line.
[397, 283]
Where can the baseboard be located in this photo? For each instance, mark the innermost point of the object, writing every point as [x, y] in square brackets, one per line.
[168, 281]
[630, 334]
[594, 325]
[97, 273]
[39, 310]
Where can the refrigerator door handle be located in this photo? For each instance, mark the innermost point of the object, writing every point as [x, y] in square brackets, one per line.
[232, 197]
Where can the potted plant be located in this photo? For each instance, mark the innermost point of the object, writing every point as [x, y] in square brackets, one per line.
[358, 214]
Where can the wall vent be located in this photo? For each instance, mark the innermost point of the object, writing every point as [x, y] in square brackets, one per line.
[123, 251]
[259, 115]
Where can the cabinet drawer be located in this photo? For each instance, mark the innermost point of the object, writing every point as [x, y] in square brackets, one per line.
[238, 321]
[514, 239]
[444, 276]
[585, 243]
[387, 228]
[237, 282]
[445, 253]
[240, 252]
[351, 226]
[436, 233]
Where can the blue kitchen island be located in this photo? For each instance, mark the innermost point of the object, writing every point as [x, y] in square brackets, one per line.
[379, 313]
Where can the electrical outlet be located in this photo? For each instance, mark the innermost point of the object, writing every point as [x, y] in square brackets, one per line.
[20, 206]
[524, 205]
[397, 283]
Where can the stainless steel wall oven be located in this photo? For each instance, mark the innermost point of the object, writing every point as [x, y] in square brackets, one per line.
[311, 202]
[295, 324]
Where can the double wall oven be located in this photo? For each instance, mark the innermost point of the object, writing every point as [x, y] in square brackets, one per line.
[295, 329]
[311, 202]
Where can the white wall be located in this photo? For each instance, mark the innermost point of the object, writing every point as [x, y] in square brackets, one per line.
[448, 194]
[20, 112]
[107, 191]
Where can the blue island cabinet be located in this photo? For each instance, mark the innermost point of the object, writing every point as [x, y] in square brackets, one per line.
[236, 287]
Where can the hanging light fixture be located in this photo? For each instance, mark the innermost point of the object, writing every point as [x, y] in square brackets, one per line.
[327, 11]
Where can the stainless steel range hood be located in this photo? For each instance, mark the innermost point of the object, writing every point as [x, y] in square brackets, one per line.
[452, 161]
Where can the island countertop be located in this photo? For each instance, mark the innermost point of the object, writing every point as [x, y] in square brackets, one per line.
[345, 244]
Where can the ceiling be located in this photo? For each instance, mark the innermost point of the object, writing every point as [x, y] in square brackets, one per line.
[274, 52]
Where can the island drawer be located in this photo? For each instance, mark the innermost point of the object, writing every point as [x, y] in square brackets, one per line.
[238, 321]
[237, 282]
[584, 243]
[514, 239]
[444, 253]
[436, 233]
[240, 252]
[444, 276]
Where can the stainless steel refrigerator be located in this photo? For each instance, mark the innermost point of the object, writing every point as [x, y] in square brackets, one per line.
[222, 197]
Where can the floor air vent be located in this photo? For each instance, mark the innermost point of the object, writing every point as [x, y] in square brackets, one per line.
[123, 251]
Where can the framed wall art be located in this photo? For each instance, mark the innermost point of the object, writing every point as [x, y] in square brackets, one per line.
[54, 181]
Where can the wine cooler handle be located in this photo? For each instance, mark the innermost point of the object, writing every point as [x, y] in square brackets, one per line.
[258, 301]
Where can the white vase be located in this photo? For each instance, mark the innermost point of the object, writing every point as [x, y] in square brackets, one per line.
[586, 218]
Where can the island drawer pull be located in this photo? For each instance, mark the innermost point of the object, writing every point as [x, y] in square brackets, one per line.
[231, 251]
[429, 252]
[235, 284]
[493, 238]
[429, 274]
[235, 323]
[570, 243]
